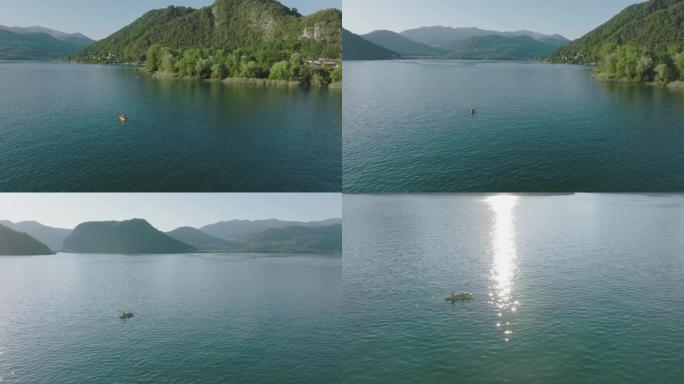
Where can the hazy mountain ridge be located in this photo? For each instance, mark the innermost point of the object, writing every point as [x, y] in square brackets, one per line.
[16, 243]
[445, 37]
[201, 240]
[52, 237]
[357, 48]
[404, 46]
[137, 236]
[234, 230]
[33, 43]
[296, 239]
[461, 43]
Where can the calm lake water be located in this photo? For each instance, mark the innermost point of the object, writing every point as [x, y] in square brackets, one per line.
[198, 319]
[59, 132]
[568, 289]
[539, 127]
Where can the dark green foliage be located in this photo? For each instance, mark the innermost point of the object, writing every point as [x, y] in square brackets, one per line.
[496, 47]
[265, 30]
[631, 63]
[216, 64]
[402, 45]
[358, 48]
[126, 237]
[29, 46]
[20, 244]
[655, 25]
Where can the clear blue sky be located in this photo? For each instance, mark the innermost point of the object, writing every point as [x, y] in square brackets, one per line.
[167, 211]
[571, 18]
[100, 18]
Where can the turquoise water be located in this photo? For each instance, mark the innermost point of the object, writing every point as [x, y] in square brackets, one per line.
[198, 319]
[59, 132]
[539, 128]
[568, 289]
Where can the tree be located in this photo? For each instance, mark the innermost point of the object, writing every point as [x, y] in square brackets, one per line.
[678, 61]
[153, 58]
[219, 71]
[336, 75]
[644, 68]
[168, 62]
[249, 69]
[320, 77]
[663, 73]
[203, 68]
[280, 71]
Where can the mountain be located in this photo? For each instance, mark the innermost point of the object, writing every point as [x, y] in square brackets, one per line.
[52, 237]
[445, 37]
[297, 239]
[201, 240]
[500, 48]
[358, 48]
[402, 45]
[77, 39]
[439, 36]
[236, 230]
[21, 43]
[654, 26]
[253, 26]
[19, 244]
[124, 237]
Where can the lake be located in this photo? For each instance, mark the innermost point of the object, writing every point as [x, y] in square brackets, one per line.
[59, 131]
[539, 128]
[568, 289]
[200, 318]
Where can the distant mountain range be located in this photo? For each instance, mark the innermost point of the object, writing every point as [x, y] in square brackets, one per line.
[32, 43]
[448, 42]
[654, 26]
[19, 244]
[139, 237]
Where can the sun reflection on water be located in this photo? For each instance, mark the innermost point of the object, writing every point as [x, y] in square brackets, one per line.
[503, 265]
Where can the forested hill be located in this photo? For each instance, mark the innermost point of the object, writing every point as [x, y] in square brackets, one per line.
[264, 28]
[655, 26]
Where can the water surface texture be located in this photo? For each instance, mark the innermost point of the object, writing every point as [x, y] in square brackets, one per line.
[539, 128]
[568, 289]
[59, 132]
[198, 319]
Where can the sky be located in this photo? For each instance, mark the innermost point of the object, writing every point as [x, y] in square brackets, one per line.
[167, 211]
[570, 18]
[98, 19]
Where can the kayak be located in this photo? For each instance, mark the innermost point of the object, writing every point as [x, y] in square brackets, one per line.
[461, 297]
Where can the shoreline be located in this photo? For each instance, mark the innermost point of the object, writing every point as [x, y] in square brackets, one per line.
[242, 81]
[677, 85]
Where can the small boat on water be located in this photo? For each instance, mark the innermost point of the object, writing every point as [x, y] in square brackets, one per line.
[122, 117]
[126, 316]
[472, 111]
[453, 297]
